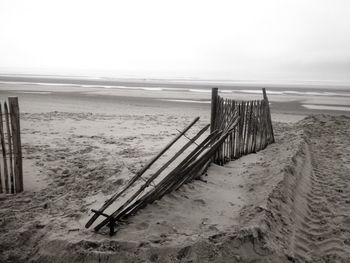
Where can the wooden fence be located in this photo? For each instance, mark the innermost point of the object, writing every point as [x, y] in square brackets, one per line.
[11, 171]
[237, 128]
[253, 132]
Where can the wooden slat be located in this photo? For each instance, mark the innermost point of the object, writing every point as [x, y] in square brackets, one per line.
[4, 154]
[257, 111]
[214, 100]
[272, 140]
[254, 124]
[245, 130]
[266, 123]
[249, 130]
[16, 140]
[9, 144]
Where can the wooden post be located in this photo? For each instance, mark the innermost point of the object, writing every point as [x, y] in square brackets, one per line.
[8, 129]
[214, 101]
[4, 155]
[269, 116]
[16, 140]
[0, 182]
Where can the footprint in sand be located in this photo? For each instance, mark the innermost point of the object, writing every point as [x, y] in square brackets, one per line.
[199, 202]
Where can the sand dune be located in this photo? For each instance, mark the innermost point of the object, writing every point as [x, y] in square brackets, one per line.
[287, 203]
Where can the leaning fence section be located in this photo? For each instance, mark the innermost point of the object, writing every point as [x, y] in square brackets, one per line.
[163, 181]
[11, 171]
[253, 132]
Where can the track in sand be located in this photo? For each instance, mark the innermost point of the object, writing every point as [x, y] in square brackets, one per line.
[322, 223]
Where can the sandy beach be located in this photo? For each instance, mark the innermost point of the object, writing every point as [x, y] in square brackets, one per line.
[286, 203]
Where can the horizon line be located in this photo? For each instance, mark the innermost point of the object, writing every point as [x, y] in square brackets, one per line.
[182, 78]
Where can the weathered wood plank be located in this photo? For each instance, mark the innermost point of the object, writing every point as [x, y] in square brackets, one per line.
[214, 101]
[4, 154]
[269, 117]
[16, 140]
[9, 143]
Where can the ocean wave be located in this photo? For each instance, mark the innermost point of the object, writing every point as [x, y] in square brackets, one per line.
[200, 90]
[33, 92]
[313, 93]
[188, 101]
[259, 92]
[153, 89]
[292, 92]
[326, 107]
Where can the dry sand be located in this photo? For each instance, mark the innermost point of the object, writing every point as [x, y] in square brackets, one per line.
[287, 203]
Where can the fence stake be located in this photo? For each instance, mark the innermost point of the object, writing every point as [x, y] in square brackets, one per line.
[269, 115]
[214, 101]
[16, 139]
[8, 127]
[2, 139]
[0, 182]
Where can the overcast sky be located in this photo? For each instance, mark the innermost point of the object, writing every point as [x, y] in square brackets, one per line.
[253, 40]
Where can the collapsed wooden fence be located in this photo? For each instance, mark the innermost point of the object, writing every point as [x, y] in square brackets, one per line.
[237, 128]
[11, 171]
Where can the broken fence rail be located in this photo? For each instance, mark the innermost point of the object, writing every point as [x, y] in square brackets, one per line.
[138, 175]
[194, 164]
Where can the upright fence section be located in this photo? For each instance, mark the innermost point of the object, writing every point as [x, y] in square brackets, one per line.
[11, 169]
[253, 132]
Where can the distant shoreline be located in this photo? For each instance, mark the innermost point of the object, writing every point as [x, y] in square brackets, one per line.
[41, 99]
[174, 83]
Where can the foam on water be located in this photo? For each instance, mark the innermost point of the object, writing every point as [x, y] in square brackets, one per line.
[200, 90]
[188, 101]
[326, 107]
[34, 92]
[153, 89]
[227, 90]
[312, 93]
